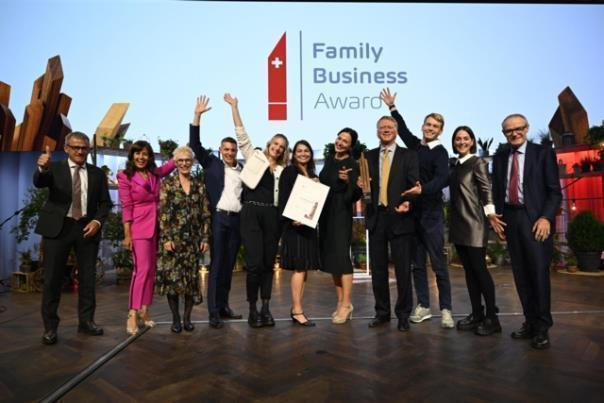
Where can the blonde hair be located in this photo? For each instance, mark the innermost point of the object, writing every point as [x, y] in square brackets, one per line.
[386, 117]
[285, 156]
[438, 117]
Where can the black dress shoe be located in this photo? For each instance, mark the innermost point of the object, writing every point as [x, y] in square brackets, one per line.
[266, 318]
[90, 328]
[215, 321]
[525, 332]
[49, 337]
[227, 313]
[403, 325]
[188, 326]
[488, 327]
[540, 341]
[176, 327]
[470, 322]
[254, 319]
[378, 321]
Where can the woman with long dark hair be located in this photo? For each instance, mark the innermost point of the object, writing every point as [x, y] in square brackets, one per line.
[138, 189]
[299, 243]
[340, 173]
[260, 218]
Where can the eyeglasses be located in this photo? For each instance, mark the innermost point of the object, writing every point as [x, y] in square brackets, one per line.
[507, 132]
[78, 149]
[184, 161]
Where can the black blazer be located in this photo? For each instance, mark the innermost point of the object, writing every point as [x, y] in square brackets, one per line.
[541, 183]
[58, 180]
[404, 173]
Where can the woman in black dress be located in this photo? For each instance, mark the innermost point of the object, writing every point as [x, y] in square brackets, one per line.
[340, 173]
[299, 243]
[471, 208]
[260, 222]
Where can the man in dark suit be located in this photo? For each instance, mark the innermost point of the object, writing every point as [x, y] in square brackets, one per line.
[526, 189]
[77, 206]
[393, 170]
[224, 193]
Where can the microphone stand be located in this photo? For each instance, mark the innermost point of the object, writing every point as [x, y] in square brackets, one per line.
[16, 213]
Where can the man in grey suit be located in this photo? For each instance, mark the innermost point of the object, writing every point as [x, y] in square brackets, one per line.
[526, 189]
[393, 170]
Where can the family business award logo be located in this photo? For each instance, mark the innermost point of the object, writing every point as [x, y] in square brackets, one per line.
[277, 81]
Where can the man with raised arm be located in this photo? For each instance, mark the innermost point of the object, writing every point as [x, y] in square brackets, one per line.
[223, 185]
[428, 211]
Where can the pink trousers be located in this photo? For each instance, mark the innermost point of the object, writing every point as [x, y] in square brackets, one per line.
[144, 257]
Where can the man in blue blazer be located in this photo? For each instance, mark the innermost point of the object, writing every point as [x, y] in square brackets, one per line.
[224, 193]
[526, 190]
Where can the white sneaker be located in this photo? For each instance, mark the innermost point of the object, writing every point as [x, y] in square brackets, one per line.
[447, 319]
[420, 314]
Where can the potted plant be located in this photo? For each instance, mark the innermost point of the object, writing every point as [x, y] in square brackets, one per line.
[576, 168]
[484, 146]
[113, 232]
[167, 147]
[497, 252]
[596, 134]
[127, 143]
[585, 164]
[26, 265]
[362, 261]
[561, 168]
[597, 164]
[586, 239]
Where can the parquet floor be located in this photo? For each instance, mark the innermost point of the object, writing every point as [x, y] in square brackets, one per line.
[327, 363]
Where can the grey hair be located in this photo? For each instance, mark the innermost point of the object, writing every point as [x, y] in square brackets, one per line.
[515, 115]
[183, 150]
[77, 135]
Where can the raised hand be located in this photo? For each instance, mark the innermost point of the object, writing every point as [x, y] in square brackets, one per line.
[230, 100]
[44, 159]
[202, 105]
[387, 97]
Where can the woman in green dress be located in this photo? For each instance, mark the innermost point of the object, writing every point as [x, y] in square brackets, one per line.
[184, 231]
[340, 173]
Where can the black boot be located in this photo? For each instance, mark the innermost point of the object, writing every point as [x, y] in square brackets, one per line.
[254, 318]
[186, 319]
[265, 314]
[173, 303]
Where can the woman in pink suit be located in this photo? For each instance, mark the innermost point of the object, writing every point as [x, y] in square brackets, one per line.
[138, 189]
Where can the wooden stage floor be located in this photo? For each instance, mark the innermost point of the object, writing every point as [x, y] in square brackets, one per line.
[327, 363]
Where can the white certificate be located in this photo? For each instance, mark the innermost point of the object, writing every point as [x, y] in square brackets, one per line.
[254, 169]
[306, 201]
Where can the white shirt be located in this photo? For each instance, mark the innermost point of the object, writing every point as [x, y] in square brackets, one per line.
[521, 154]
[432, 144]
[230, 199]
[83, 186]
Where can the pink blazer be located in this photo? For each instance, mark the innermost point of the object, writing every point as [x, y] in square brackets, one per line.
[140, 200]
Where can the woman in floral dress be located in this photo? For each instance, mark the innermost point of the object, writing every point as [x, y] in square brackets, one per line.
[184, 230]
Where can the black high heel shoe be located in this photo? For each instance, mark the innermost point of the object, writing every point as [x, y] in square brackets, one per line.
[308, 322]
[176, 327]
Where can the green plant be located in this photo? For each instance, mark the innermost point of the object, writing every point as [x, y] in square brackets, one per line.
[112, 142]
[361, 259]
[585, 233]
[167, 147]
[596, 134]
[496, 251]
[485, 145]
[122, 259]
[113, 231]
[501, 147]
[28, 218]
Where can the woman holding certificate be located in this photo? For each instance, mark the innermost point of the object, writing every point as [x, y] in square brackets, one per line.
[260, 227]
[340, 173]
[299, 243]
